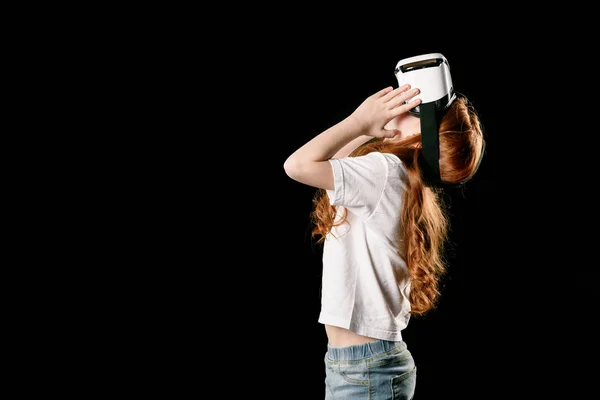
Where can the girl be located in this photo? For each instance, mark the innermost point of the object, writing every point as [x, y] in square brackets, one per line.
[383, 228]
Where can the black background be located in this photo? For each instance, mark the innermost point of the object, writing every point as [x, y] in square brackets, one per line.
[186, 268]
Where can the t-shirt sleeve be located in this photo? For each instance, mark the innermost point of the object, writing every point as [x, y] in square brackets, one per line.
[358, 182]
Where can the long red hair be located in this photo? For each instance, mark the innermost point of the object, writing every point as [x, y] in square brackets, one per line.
[424, 216]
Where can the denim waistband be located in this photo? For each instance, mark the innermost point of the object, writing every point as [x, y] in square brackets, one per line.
[365, 350]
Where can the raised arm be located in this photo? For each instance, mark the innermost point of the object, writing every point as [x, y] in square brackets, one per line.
[310, 163]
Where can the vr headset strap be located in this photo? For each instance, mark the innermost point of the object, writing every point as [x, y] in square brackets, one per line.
[430, 141]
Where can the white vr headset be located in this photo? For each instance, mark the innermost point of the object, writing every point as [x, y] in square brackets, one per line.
[430, 73]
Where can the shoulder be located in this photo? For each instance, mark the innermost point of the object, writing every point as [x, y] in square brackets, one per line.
[389, 158]
[377, 157]
[373, 163]
[391, 162]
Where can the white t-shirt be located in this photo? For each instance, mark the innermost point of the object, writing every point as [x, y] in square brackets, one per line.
[365, 283]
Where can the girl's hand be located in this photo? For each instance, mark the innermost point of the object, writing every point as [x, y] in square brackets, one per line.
[380, 108]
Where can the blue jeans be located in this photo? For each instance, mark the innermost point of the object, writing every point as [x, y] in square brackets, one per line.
[380, 370]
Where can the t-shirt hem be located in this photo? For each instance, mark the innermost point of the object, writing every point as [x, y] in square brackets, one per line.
[334, 320]
[382, 334]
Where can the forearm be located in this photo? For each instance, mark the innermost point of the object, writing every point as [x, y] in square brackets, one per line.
[332, 142]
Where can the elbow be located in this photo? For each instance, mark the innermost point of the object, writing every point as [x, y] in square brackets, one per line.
[297, 169]
[291, 167]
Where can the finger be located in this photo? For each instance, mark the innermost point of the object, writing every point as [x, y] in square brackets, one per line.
[394, 93]
[383, 91]
[390, 133]
[405, 107]
[399, 100]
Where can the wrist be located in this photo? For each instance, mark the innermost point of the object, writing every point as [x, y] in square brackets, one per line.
[355, 126]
